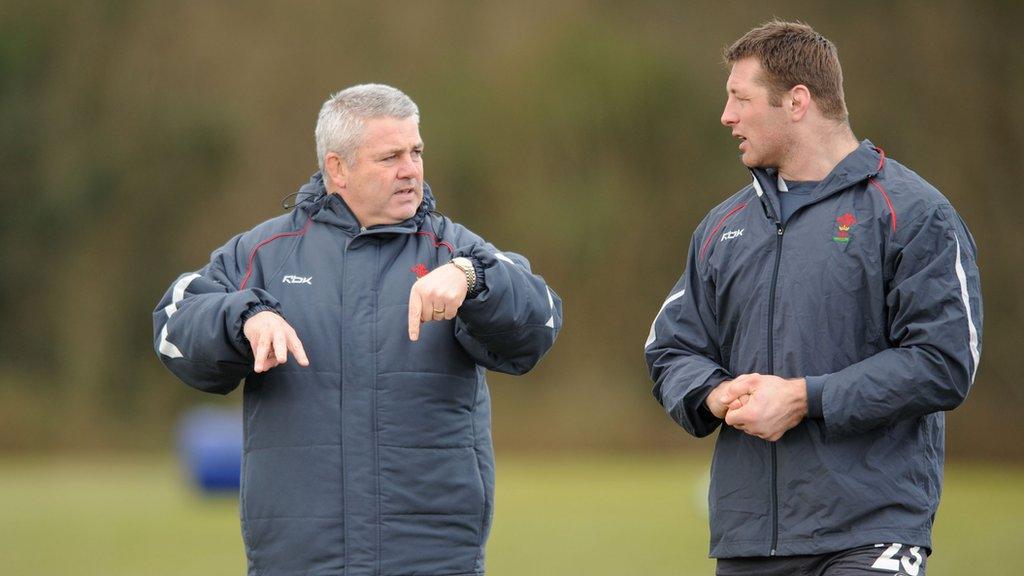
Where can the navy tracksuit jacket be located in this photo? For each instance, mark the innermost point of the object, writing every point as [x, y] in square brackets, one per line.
[376, 459]
[872, 293]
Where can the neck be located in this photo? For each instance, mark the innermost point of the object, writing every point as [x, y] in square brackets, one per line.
[816, 155]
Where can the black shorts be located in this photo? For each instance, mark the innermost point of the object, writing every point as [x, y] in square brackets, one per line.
[877, 560]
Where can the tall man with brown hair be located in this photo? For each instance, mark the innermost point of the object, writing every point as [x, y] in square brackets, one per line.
[830, 311]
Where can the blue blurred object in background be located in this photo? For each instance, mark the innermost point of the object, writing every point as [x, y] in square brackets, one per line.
[210, 447]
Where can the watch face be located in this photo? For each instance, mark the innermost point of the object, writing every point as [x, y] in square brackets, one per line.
[464, 264]
[467, 268]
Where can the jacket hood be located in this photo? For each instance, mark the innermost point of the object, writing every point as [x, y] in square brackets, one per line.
[863, 163]
[332, 209]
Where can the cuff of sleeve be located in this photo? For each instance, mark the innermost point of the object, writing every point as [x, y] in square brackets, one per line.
[702, 408]
[478, 268]
[478, 286]
[249, 313]
[256, 309]
[815, 388]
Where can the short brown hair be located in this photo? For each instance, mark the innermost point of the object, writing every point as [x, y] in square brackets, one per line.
[792, 53]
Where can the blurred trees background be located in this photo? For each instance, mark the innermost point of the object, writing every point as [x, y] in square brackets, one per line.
[136, 137]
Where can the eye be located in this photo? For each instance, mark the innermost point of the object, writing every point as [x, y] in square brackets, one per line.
[416, 153]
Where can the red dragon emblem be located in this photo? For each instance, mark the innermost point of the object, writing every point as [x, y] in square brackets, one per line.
[420, 270]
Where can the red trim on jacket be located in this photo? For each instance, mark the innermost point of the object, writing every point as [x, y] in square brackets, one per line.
[252, 255]
[437, 242]
[714, 230]
[887, 201]
[881, 163]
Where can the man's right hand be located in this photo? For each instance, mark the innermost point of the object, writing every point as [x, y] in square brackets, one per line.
[728, 395]
[272, 339]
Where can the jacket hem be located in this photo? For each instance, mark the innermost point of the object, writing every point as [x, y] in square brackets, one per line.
[334, 573]
[822, 544]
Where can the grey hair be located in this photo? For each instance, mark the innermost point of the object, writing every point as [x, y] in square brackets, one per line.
[339, 128]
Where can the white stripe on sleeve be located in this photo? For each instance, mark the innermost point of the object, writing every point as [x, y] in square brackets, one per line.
[177, 295]
[669, 300]
[971, 330]
[551, 303]
[166, 348]
[501, 256]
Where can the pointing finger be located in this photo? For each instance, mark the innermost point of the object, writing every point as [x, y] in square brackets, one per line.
[295, 345]
[415, 308]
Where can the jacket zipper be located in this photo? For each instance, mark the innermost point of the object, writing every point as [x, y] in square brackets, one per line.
[341, 411]
[771, 370]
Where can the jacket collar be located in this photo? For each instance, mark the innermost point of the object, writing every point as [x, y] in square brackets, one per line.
[863, 163]
[332, 209]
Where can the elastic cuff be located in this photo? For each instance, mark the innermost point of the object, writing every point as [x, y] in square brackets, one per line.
[815, 388]
[478, 286]
[249, 313]
[256, 309]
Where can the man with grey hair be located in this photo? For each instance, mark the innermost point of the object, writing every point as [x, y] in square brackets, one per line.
[370, 453]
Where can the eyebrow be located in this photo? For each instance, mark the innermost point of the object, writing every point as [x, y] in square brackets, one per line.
[389, 151]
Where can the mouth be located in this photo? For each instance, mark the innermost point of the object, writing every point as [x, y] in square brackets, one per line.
[407, 191]
[742, 139]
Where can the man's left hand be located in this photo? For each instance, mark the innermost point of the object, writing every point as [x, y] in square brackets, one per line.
[436, 296]
[774, 405]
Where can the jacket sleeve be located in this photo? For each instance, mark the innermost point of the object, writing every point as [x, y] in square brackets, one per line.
[513, 320]
[934, 308]
[682, 350]
[197, 327]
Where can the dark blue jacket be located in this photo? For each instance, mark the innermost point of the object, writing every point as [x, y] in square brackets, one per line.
[872, 293]
[377, 458]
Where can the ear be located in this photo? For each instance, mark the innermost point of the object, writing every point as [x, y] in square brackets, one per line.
[798, 101]
[335, 171]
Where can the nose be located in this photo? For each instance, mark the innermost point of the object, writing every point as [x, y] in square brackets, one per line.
[729, 117]
[408, 168]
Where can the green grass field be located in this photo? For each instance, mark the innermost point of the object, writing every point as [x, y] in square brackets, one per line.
[591, 515]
